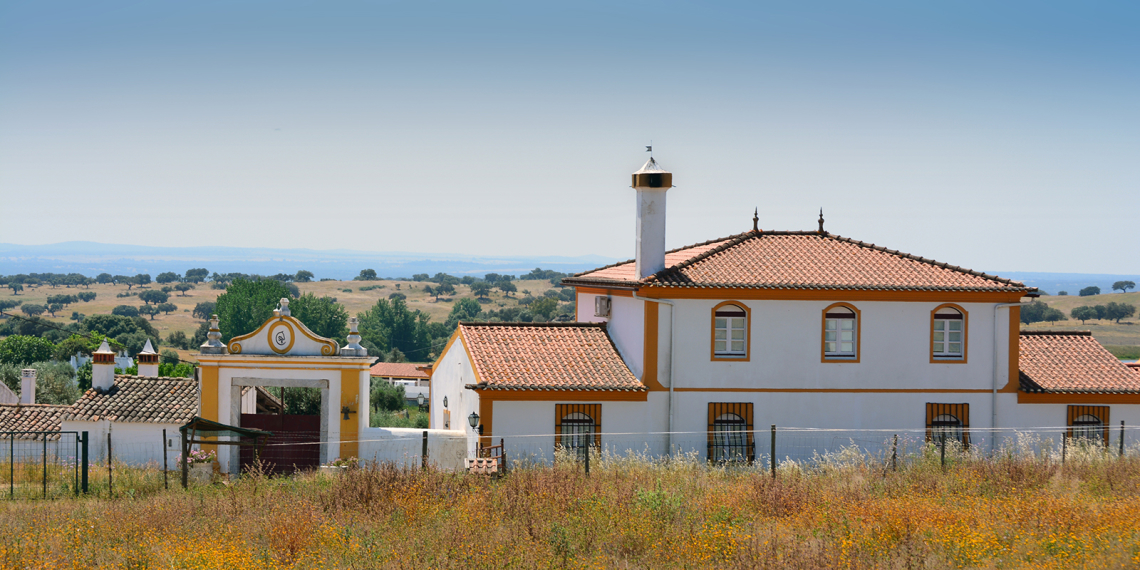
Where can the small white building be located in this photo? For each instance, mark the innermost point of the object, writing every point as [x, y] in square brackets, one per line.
[412, 376]
[808, 329]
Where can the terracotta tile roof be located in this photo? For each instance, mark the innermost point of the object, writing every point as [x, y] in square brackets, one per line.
[546, 356]
[34, 417]
[1072, 362]
[140, 399]
[798, 260]
[398, 370]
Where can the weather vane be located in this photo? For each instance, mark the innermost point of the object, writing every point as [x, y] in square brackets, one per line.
[649, 149]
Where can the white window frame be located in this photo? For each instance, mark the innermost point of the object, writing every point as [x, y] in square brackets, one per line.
[940, 347]
[725, 334]
[833, 325]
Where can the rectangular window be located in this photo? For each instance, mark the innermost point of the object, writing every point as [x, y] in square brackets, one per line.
[730, 432]
[1089, 422]
[577, 426]
[949, 420]
[730, 332]
[948, 339]
[839, 335]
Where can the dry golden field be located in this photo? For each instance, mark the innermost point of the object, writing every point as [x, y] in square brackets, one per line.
[1006, 512]
[181, 320]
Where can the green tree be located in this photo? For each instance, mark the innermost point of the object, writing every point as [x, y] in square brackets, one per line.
[507, 287]
[150, 310]
[390, 324]
[167, 307]
[366, 275]
[303, 276]
[182, 288]
[125, 311]
[142, 279]
[167, 277]
[386, 397]
[204, 309]
[444, 288]
[1123, 286]
[153, 297]
[323, 315]
[104, 278]
[115, 326]
[52, 308]
[544, 306]
[481, 289]
[1117, 311]
[6, 304]
[87, 296]
[197, 275]
[55, 381]
[178, 339]
[247, 304]
[16, 288]
[420, 277]
[168, 356]
[1090, 291]
[1083, 313]
[464, 310]
[33, 309]
[20, 349]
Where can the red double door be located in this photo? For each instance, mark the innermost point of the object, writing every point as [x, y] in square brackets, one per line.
[295, 444]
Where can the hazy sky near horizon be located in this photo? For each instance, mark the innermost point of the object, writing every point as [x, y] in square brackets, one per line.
[997, 136]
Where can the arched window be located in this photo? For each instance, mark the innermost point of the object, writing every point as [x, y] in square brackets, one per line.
[730, 332]
[949, 420]
[730, 432]
[577, 427]
[948, 334]
[1089, 423]
[841, 333]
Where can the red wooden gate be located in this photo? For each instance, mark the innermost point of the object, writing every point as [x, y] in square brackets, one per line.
[295, 443]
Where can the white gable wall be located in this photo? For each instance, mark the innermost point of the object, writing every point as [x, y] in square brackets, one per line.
[451, 373]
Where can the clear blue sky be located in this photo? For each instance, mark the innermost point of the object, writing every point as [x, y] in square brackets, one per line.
[998, 136]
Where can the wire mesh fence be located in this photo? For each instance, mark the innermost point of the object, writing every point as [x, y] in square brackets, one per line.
[41, 465]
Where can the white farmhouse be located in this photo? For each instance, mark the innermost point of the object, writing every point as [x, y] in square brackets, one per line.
[703, 345]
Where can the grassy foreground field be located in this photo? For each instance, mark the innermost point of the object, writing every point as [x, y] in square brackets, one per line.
[997, 513]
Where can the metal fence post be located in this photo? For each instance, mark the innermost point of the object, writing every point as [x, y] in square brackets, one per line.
[76, 478]
[587, 459]
[44, 435]
[1064, 447]
[423, 455]
[895, 453]
[185, 453]
[110, 475]
[12, 465]
[943, 451]
[83, 451]
[1121, 438]
[165, 483]
[773, 450]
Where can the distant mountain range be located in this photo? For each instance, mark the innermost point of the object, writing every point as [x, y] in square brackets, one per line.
[90, 258]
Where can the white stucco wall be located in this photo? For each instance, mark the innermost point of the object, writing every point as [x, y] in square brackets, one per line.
[131, 443]
[451, 373]
[404, 446]
[626, 326]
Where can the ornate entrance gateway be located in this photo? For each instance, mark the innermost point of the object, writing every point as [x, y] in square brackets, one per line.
[284, 352]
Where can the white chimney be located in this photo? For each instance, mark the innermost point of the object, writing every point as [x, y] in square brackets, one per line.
[28, 386]
[103, 368]
[148, 361]
[651, 183]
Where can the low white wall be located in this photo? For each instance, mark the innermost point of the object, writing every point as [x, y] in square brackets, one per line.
[131, 443]
[404, 446]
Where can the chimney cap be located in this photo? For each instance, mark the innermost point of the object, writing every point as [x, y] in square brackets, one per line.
[652, 177]
[650, 166]
[105, 348]
[148, 349]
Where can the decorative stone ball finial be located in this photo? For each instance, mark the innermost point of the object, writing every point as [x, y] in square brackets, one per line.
[284, 308]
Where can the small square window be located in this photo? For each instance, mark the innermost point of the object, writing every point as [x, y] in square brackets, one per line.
[730, 332]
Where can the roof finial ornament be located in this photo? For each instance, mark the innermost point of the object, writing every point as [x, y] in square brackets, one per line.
[649, 149]
[821, 221]
[756, 220]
